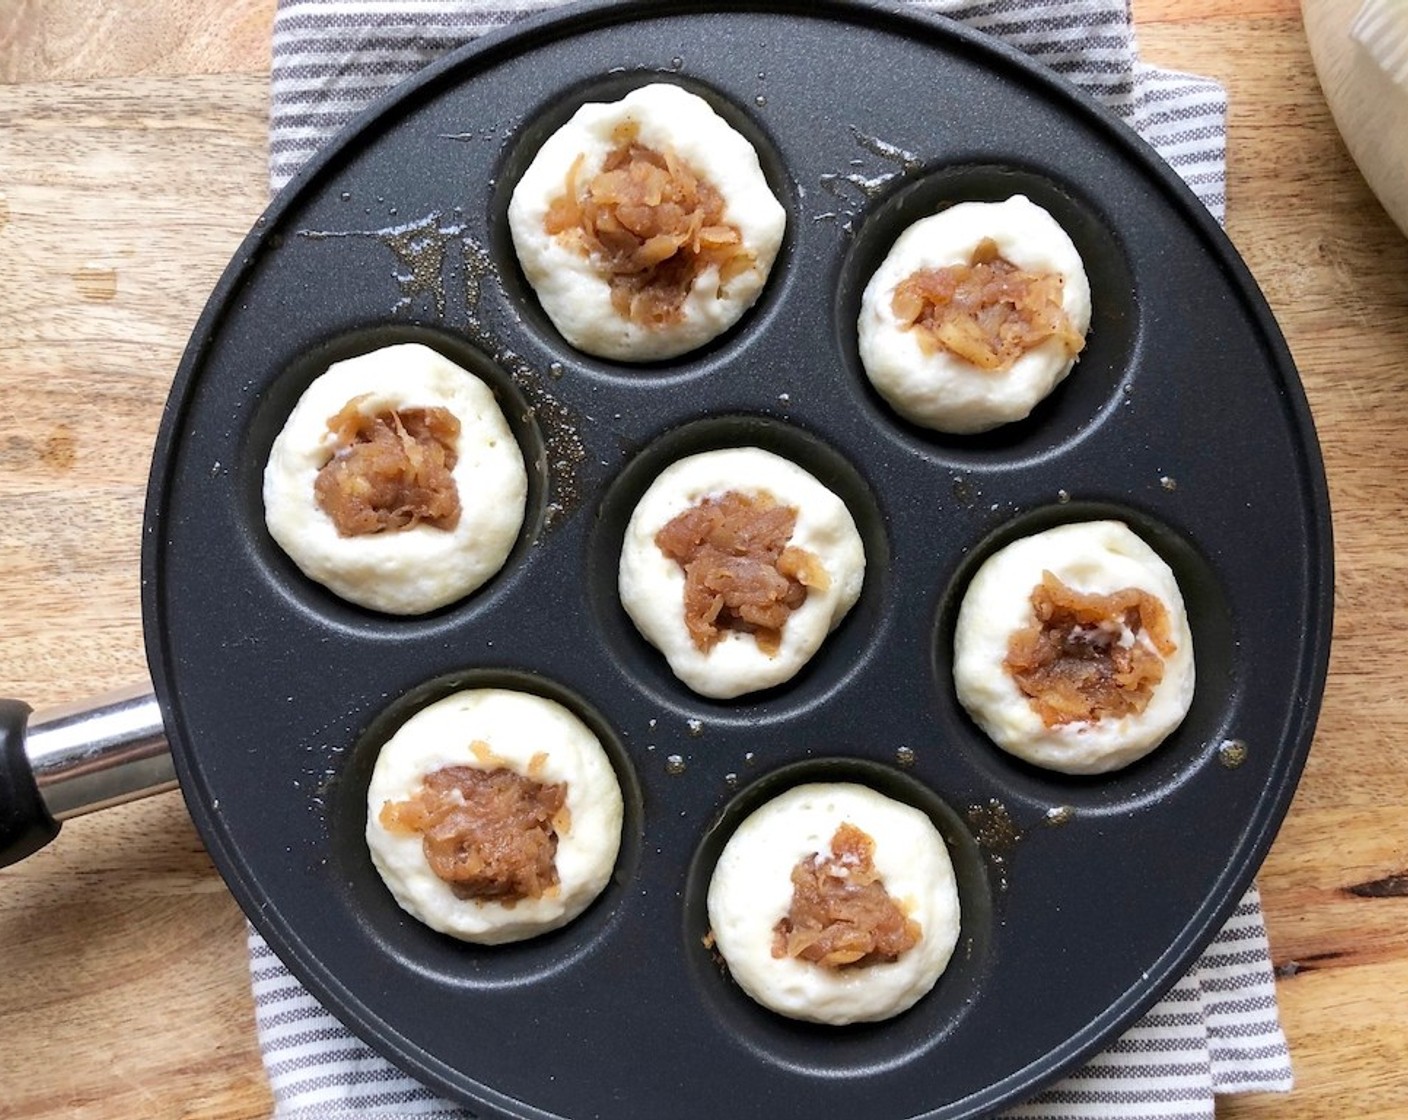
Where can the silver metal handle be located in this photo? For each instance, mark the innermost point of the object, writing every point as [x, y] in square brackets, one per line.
[100, 752]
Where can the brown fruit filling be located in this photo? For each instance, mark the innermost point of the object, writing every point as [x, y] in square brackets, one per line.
[841, 914]
[739, 572]
[988, 312]
[1081, 660]
[489, 834]
[652, 224]
[390, 471]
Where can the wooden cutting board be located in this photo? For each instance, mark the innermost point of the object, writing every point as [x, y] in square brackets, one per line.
[132, 146]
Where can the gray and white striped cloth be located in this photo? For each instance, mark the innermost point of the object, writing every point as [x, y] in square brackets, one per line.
[1217, 1030]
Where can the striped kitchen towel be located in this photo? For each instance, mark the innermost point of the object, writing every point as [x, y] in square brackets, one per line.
[1217, 1030]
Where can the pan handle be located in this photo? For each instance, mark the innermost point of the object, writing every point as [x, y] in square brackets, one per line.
[62, 762]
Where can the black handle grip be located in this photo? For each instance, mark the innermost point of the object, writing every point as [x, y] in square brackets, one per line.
[25, 823]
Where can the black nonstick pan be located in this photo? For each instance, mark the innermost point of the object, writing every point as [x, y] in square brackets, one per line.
[1083, 899]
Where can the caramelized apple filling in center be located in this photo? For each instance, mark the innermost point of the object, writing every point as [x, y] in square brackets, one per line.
[652, 224]
[841, 914]
[988, 312]
[489, 834]
[1082, 659]
[739, 571]
[390, 471]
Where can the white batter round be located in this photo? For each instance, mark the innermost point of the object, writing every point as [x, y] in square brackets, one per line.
[941, 390]
[420, 568]
[652, 584]
[1094, 557]
[751, 891]
[570, 285]
[516, 727]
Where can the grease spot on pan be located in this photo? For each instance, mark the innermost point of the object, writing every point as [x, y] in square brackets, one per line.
[865, 182]
[477, 267]
[421, 249]
[487, 132]
[1059, 815]
[964, 492]
[997, 834]
[1232, 753]
[561, 434]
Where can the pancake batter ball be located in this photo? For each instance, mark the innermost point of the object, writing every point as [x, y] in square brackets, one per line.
[975, 316]
[736, 565]
[645, 225]
[396, 482]
[835, 904]
[1072, 649]
[494, 816]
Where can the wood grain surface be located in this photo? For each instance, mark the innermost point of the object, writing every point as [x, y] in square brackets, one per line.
[132, 160]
